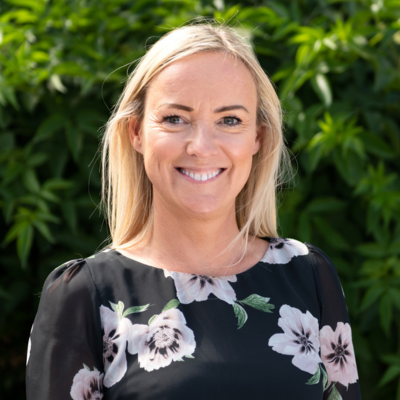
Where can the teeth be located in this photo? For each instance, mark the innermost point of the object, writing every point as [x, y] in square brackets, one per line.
[201, 177]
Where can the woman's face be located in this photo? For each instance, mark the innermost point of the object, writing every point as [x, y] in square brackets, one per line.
[199, 133]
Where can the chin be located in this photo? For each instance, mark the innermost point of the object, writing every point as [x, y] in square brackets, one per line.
[201, 207]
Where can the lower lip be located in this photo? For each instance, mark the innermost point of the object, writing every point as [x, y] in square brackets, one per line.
[195, 181]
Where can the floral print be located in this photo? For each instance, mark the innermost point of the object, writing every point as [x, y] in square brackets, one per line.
[115, 335]
[337, 354]
[87, 385]
[166, 339]
[326, 355]
[190, 287]
[281, 250]
[300, 338]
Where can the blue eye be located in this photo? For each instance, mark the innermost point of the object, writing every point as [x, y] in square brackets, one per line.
[172, 119]
[231, 121]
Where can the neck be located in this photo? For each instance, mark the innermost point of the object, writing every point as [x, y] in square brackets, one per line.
[195, 244]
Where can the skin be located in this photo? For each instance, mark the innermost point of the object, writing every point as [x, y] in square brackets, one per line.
[200, 116]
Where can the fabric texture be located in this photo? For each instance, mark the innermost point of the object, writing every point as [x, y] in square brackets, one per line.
[109, 327]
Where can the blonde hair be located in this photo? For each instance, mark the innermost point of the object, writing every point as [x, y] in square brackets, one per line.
[127, 191]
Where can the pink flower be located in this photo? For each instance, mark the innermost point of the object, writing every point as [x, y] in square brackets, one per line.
[337, 354]
[87, 385]
[300, 338]
[281, 250]
[191, 287]
[166, 339]
[115, 336]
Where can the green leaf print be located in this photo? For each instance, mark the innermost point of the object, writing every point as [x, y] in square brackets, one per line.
[86, 367]
[118, 308]
[315, 378]
[136, 309]
[180, 359]
[188, 356]
[171, 304]
[324, 378]
[151, 319]
[334, 395]
[240, 314]
[258, 302]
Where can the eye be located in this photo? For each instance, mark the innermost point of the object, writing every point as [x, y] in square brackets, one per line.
[231, 121]
[172, 119]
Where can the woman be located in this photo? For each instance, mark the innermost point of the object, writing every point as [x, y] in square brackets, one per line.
[197, 297]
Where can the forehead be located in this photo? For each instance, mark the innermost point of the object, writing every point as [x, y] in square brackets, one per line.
[208, 78]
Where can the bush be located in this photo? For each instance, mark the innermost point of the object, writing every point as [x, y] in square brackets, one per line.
[336, 67]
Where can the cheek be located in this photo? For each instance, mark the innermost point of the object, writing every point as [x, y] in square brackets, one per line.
[159, 151]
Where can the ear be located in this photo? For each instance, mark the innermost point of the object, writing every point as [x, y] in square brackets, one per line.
[259, 138]
[135, 134]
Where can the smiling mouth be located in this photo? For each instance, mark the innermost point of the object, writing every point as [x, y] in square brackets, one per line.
[201, 176]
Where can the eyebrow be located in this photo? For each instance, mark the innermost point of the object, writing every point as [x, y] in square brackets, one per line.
[217, 110]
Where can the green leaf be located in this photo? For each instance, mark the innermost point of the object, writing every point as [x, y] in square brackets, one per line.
[171, 304]
[86, 367]
[334, 394]
[371, 296]
[151, 319]
[188, 356]
[31, 181]
[49, 126]
[325, 204]
[386, 312]
[180, 359]
[118, 308]
[137, 309]
[43, 229]
[331, 235]
[258, 302]
[324, 377]
[74, 139]
[392, 372]
[240, 314]
[315, 378]
[57, 184]
[322, 88]
[24, 244]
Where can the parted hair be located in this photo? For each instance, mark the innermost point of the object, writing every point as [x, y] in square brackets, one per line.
[127, 194]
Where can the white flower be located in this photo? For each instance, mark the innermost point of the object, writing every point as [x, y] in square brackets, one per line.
[115, 335]
[337, 354]
[281, 250]
[166, 339]
[87, 385]
[190, 287]
[28, 354]
[300, 338]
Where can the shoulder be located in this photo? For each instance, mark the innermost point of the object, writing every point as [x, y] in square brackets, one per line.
[75, 276]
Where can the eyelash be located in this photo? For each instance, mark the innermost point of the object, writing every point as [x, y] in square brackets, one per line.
[239, 121]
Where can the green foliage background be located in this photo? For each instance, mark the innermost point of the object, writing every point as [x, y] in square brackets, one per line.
[336, 65]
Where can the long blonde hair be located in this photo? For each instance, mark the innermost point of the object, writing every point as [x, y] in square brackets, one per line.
[127, 191]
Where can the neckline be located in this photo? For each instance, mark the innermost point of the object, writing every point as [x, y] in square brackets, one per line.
[188, 273]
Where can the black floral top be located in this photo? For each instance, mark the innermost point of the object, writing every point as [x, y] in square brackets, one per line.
[109, 327]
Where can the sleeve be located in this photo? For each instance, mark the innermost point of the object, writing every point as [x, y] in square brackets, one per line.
[337, 352]
[65, 348]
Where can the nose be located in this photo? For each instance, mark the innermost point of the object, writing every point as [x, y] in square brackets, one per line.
[202, 142]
